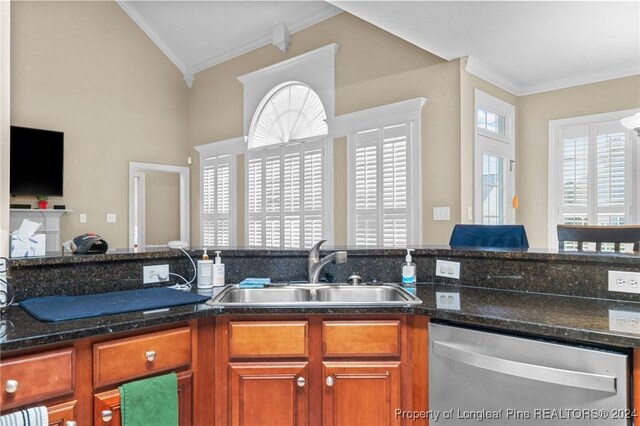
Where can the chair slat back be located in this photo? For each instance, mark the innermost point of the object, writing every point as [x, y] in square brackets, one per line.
[599, 234]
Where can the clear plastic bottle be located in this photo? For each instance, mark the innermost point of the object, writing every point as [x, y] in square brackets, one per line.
[409, 273]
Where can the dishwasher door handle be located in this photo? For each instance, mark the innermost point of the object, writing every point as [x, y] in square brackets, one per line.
[576, 379]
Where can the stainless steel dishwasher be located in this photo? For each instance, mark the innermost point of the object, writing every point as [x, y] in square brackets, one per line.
[482, 378]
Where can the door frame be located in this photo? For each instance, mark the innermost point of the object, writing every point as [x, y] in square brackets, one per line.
[135, 169]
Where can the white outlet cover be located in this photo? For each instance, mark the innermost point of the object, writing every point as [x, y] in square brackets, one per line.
[111, 217]
[83, 218]
[624, 281]
[624, 321]
[448, 269]
[155, 274]
[449, 300]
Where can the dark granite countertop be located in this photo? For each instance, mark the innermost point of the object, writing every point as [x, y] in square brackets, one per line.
[575, 319]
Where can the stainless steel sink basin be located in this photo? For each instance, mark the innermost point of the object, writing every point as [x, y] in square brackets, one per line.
[315, 295]
[362, 294]
[266, 295]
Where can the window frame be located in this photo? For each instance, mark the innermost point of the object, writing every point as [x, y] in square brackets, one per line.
[409, 111]
[229, 147]
[554, 167]
[497, 145]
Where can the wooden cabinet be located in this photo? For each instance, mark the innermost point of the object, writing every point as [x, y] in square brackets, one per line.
[33, 378]
[64, 414]
[360, 393]
[316, 370]
[106, 405]
[268, 393]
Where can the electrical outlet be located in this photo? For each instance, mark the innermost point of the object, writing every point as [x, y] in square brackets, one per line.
[83, 218]
[624, 281]
[445, 268]
[447, 300]
[625, 321]
[111, 218]
[155, 274]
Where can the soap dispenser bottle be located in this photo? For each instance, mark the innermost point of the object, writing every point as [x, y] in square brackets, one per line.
[218, 271]
[205, 271]
[409, 273]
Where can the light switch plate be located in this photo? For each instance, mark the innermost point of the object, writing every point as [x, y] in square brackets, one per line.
[111, 218]
[624, 321]
[448, 300]
[445, 268]
[155, 274]
[441, 213]
[83, 218]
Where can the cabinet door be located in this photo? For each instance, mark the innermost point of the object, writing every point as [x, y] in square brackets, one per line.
[360, 393]
[62, 414]
[268, 393]
[106, 405]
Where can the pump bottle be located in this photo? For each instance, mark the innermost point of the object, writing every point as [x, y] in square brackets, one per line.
[205, 271]
[409, 273]
[218, 271]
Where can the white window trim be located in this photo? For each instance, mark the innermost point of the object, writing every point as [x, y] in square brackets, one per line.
[499, 106]
[232, 147]
[409, 111]
[327, 149]
[554, 166]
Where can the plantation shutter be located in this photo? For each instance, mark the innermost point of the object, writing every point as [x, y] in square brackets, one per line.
[575, 175]
[381, 214]
[216, 201]
[595, 174]
[285, 195]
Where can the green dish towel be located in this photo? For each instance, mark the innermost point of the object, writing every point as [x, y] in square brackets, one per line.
[151, 401]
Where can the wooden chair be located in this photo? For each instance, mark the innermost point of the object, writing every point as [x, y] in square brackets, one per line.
[599, 234]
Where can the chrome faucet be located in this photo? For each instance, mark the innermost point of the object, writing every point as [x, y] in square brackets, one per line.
[316, 265]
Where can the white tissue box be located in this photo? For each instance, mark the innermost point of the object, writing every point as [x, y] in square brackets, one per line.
[34, 245]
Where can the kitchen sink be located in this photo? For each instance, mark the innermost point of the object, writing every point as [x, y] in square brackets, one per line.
[315, 295]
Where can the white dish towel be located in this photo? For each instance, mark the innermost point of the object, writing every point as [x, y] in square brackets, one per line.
[36, 416]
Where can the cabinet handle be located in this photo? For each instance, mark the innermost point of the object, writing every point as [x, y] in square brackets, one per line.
[107, 415]
[150, 355]
[329, 381]
[70, 423]
[301, 382]
[11, 386]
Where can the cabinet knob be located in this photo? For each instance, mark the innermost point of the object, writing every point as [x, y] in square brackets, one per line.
[11, 386]
[70, 423]
[150, 355]
[107, 415]
[329, 381]
[301, 382]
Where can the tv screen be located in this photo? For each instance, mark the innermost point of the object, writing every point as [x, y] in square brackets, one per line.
[36, 162]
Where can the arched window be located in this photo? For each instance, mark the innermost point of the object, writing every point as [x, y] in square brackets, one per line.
[285, 169]
[291, 112]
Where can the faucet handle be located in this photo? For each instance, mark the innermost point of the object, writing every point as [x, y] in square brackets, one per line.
[315, 250]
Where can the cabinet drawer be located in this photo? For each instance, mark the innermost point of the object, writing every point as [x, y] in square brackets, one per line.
[37, 377]
[249, 339]
[361, 338]
[132, 357]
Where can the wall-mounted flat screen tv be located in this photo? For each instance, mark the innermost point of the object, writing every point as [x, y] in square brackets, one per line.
[37, 162]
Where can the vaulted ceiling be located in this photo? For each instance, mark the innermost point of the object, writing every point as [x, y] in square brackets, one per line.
[524, 47]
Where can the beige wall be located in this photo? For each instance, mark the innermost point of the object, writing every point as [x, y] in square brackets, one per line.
[162, 207]
[373, 68]
[85, 68]
[533, 116]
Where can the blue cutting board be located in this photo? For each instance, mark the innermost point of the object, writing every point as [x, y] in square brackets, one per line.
[62, 308]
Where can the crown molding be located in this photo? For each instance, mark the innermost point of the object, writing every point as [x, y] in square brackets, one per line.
[477, 68]
[262, 41]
